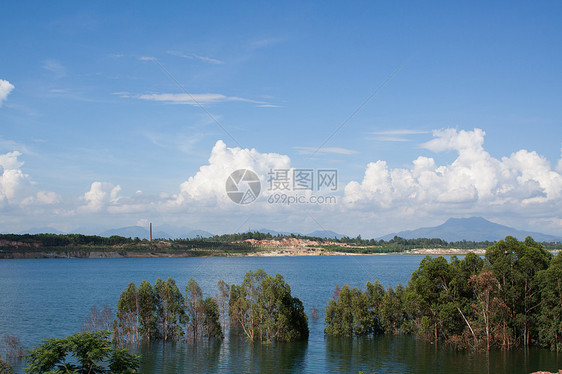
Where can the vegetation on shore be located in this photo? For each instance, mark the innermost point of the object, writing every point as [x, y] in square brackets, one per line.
[78, 245]
[510, 298]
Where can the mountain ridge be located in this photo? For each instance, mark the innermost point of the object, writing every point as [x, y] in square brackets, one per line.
[472, 229]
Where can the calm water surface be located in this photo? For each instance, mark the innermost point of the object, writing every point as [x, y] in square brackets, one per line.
[47, 298]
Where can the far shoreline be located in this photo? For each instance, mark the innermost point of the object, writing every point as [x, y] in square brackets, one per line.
[262, 252]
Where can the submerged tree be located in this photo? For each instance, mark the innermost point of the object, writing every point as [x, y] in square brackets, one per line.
[352, 312]
[211, 319]
[516, 266]
[222, 301]
[11, 344]
[98, 319]
[391, 310]
[203, 316]
[263, 308]
[340, 316]
[193, 308]
[511, 297]
[127, 314]
[550, 318]
[161, 313]
[169, 311]
[148, 306]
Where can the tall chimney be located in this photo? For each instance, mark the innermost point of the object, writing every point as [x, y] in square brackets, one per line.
[150, 237]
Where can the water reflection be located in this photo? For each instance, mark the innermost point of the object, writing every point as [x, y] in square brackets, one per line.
[179, 357]
[406, 354]
[232, 355]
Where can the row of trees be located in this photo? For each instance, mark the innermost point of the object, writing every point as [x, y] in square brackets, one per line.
[162, 312]
[261, 308]
[513, 297]
[63, 240]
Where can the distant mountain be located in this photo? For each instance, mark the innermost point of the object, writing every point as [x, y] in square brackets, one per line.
[273, 232]
[88, 230]
[199, 233]
[474, 228]
[175, 232]
[328, 234]
[41, 230]
[135, 231]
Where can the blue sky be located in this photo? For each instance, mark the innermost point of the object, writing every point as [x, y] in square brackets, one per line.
[97, 128]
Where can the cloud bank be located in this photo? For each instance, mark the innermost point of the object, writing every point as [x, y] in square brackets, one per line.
[523, 185]
[474, 181]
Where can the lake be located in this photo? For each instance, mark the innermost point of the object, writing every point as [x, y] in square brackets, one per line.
[47, 298]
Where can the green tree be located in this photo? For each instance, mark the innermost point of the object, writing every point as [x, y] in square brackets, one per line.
[374, 295]
[193, 308]
[374, 311]
[391, 311]
[347, 314]
[170, 314]
[459, 296]
[127, 314]
[211, 318]
[5, 367]
[243, 303]
[427, 284]
[487, 304]
[263, 308]
[516, 265]
[147, 307]
[281, 316]
[222, 300]
[550, 319]
[81, 353]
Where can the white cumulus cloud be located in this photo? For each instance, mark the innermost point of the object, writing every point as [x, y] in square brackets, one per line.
[100, 196]
[5, 89]
[474, 180]
[209, 182]
[16, 187]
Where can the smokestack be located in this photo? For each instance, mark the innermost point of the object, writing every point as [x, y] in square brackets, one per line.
[150, 237]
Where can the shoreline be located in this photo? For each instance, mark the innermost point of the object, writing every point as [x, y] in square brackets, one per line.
[261, 252]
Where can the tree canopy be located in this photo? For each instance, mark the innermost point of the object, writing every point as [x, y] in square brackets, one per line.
[81, 353]
[264, 309]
